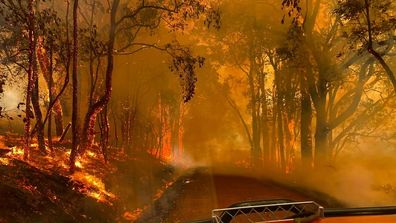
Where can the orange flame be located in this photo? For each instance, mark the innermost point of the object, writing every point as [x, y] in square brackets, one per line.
[96, 187]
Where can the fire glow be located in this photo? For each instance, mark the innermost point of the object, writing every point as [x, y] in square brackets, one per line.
[96, 187]
[93, 185]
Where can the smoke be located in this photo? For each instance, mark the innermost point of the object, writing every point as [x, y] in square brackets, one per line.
[186, 162]
[364, 177]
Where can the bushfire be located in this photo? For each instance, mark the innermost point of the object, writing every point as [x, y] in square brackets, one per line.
[58, 160]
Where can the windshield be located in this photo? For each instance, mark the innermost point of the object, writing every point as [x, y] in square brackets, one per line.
[165, 110]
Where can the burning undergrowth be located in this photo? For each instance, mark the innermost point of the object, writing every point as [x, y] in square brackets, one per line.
[42, 188]
[32, 195]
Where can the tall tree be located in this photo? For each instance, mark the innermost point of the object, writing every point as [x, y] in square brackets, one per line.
[35, 91]
[75, 127]
[146, 16]
[369, 26]
[45, 58]
[30, 77]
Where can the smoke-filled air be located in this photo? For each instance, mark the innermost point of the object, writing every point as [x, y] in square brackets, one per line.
[171, 111]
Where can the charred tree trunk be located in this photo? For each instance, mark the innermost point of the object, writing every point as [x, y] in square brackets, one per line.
[277, 113]
[306, 123]
[93, 73]
[93, 111]
[49, 130]
[264, 118]
[279, 117]
[322, 152]
[256, 150]
[281, 141]
[50, 84]
[67, 66]
[37, 113]
[36, 98]
[45, 66]
[30, 83]
[288, 93]
[104, 133]
[73, 154]
[273, 147]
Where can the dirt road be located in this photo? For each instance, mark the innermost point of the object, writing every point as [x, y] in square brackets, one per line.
[193, 196]
[202, 192]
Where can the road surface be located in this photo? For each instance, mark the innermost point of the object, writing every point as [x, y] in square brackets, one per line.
[193, 196]
[202, 192]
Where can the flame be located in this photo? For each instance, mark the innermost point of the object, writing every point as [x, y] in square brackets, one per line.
[5, 161]
[78, 164]
[92, 184]
[171, 133]
[17, 151]
[95, 187]
[91, 154]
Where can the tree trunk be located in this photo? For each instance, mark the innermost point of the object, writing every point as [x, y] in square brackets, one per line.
[45, 66]
[279, 114]
[241, 118]
[321, 134]
[256, 150]
[50, 84]
[281, 141]
[36, 105]
[264, 118]
[93, 111]
[104, 133]
[175, 130]
[30, 82]
[272, 152]
[306, 131]
[371, 50]
[73, 154]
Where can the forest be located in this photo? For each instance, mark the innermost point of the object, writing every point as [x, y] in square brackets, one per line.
[113, 110]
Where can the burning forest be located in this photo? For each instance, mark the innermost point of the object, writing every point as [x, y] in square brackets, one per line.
[164, 110]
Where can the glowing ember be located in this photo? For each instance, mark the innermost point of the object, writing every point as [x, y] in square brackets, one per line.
[132, 215]
[91, 154]
[96, 188]
[162, 190]
[4, 161]
[30, 188]
[79, 164]
[16, 150]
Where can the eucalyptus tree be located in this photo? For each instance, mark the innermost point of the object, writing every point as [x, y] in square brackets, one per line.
[127, 21]
[331, 66]
[19, 18]
[370, 26]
